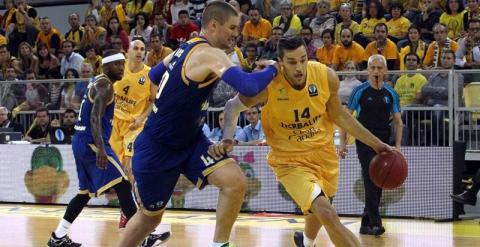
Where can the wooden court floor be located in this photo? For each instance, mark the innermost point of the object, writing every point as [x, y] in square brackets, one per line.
[30, 226]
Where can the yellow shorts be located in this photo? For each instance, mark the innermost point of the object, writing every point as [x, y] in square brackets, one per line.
[122, 138]
[300, 174]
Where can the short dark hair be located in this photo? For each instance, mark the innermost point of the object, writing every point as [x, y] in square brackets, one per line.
[182, 12]
[277, 28]
[346, 28]
[307, 27]
[381, 24]
[68, 41]
[74, 71]
[156, 35]
[41, 109]
[411, 54]
[289, 43]
[329, 31]
[398, 5]
[219, 11]
[4, 47]
[70, 110]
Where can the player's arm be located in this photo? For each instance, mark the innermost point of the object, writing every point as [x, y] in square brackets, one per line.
[345, 120]
[103, 93]
[232, 110]
[398, 126]
[157, 71]
[248, 84]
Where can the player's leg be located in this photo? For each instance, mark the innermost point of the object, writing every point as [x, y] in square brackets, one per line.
[328, 217]
[83, 156]
[225, 174]
[232, 184]
[308, 236]
[155, 172]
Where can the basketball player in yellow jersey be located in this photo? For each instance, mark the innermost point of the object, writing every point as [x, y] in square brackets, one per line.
[134, 95]
[301, 107]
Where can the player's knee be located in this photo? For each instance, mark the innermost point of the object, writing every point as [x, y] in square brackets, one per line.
[237, 186]
[324, 211]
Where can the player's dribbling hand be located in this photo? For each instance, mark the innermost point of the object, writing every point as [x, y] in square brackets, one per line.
[217, 150]
[383, 147]
[102, 159]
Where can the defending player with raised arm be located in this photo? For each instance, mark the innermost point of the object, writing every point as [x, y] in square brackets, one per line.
[172, 142]
[300, 108]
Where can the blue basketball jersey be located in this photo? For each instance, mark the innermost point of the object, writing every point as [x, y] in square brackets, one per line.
[181, 103]
[82, 127]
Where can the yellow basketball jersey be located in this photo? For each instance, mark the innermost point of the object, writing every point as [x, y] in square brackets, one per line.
[296, 120]
[132, 94]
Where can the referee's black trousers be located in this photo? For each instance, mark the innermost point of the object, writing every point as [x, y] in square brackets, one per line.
[373, 194]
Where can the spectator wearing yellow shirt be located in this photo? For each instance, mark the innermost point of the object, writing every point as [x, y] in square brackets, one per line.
[453, 18]
[256, 29]
[157, 50]
[92, 58]
[136, 6]
[3, 40]
[398, 25]
[382, 45]
[76, 31]
[304, 8]
[348, 50]
[435, 49]
[345, 13]
[287, 20]
[106, 12]
[123, 17]
[373, 17]
[325, 53]
[94, 34]
[414, 44]
[409, 86]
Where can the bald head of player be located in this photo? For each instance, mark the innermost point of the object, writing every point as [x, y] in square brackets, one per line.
[220, 22]
[293, 58]
[113, 63]
[136, 52]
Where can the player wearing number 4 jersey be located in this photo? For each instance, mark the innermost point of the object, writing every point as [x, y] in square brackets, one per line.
[172, 141]
[134, 95]
[301, 106]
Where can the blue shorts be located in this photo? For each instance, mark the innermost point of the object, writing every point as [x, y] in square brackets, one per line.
[156, 169]
[93, 180]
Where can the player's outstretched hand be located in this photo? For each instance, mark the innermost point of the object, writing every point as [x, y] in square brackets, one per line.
[102, 159]
[261, 64]
[217, 150]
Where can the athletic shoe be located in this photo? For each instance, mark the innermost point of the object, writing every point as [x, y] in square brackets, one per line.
[155, 239]
[64, 241]
[298, 239]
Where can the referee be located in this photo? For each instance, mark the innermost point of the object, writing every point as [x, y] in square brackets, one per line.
[375, 103]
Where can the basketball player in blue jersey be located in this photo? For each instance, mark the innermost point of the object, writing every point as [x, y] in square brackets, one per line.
[98, 167]
[172, 141]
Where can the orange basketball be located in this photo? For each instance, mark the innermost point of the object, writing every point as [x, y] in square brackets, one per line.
[388, 170]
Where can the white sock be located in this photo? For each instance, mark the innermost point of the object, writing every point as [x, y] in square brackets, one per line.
[218, 244]
[308, 242]
[62, 228]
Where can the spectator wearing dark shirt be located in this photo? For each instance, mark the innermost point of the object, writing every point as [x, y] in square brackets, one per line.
[6, 123]
[375, 102]
[67, 125]
[38, 131]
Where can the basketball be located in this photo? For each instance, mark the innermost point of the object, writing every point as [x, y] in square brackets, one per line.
[388, 170]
